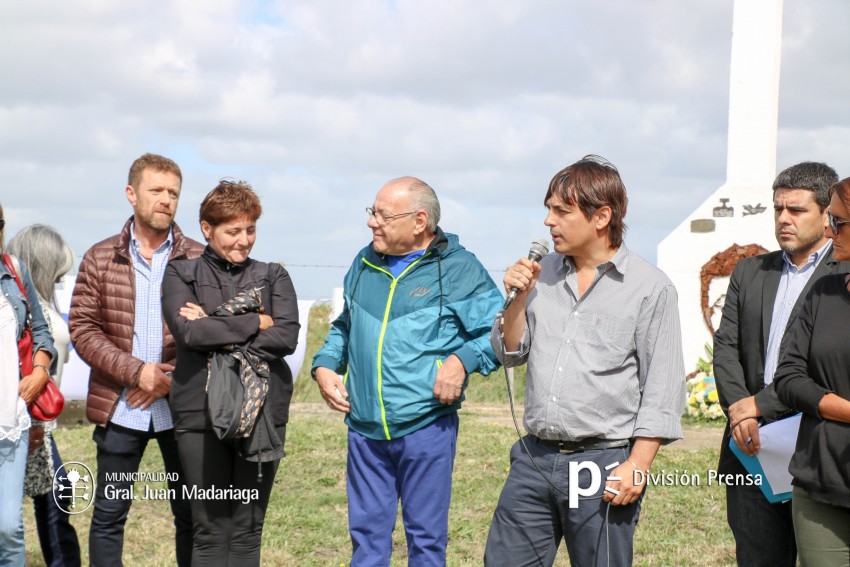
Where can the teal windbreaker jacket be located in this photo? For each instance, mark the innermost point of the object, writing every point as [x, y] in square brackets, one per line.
[394, 333]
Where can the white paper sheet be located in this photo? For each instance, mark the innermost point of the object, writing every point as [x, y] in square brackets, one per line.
[778, 440]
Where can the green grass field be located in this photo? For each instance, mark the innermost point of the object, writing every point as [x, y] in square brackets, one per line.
[306, 520]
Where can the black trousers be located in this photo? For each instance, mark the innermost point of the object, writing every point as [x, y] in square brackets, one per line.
[120, 450]
[228, 517]
[764, 532]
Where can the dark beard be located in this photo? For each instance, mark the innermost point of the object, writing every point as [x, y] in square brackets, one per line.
[807, 244]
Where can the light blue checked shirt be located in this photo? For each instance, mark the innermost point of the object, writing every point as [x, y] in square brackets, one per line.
[147, 334]
[791, 284]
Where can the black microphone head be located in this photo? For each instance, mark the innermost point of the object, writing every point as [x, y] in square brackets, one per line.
[539, 248]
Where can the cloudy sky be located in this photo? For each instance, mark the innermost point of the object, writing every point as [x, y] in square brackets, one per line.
[317, 103]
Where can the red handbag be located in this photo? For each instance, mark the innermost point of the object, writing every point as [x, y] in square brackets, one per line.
[50, 402]
[25, 353]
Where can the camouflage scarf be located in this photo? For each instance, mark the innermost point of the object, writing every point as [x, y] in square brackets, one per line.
[253, 371]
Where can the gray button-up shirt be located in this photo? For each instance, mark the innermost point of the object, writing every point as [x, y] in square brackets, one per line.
[607, 364]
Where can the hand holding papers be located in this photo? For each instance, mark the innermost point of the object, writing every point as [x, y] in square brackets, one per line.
[778, 440]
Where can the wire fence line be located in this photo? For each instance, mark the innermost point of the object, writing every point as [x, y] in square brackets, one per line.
[503, 270]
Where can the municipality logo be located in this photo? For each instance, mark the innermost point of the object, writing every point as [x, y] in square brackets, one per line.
[73, 487]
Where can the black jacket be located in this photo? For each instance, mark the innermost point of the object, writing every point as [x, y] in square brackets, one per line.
[817, 362]
[740, 344]
[209, 281]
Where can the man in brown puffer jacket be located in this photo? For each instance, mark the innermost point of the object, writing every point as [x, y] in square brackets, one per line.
[117, 329]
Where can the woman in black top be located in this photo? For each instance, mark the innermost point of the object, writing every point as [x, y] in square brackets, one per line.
[814, 378]
[229, 494]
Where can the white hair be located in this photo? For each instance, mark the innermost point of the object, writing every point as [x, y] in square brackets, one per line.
[47, 256]
[422, 197]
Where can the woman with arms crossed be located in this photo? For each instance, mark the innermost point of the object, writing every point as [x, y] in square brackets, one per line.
[228, 530]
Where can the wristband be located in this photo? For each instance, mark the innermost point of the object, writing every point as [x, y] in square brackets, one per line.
[46, 369]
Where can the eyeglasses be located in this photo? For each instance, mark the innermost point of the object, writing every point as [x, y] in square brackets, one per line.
[834, 223]
[2, 224]
[386, 218]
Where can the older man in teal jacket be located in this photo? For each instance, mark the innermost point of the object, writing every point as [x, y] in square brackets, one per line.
[418, 309]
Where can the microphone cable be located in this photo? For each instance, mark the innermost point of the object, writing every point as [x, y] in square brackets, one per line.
[516, 423]
[534, 463]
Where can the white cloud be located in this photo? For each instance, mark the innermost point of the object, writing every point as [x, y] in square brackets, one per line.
[318, 103]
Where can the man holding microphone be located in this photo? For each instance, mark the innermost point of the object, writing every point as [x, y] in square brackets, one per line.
[599, 328]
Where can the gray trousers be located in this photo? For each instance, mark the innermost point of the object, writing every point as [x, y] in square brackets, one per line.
[822, 531]
[532, 518]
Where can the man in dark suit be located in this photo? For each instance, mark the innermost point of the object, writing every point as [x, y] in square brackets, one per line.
[764, 297]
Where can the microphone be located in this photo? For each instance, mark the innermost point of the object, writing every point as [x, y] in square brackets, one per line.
[539, 248]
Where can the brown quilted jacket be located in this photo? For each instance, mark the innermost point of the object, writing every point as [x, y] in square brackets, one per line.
[102, 319]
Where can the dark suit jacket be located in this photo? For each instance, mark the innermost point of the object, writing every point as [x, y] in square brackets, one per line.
[740, 344]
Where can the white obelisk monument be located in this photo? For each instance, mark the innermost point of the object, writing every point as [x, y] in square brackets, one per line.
[741, 211]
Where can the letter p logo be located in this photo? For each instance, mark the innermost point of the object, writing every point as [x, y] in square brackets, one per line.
[574, 489]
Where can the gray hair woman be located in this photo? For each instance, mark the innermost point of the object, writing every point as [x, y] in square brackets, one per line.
[46, 254]
[16, 391]
[43, 250]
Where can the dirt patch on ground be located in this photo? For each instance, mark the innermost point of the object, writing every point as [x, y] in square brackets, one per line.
[699, 436]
